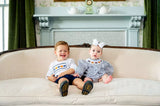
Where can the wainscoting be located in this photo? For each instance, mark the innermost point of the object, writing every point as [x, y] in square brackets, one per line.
[120, 27]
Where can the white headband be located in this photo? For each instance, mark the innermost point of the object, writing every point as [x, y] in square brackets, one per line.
[97, 43]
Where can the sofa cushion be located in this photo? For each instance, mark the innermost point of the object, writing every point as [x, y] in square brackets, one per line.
[120, 91]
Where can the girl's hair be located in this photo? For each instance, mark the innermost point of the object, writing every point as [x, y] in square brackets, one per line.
[98, 46]
[61, 43]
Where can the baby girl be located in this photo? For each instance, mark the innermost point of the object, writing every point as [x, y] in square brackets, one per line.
[93, 68]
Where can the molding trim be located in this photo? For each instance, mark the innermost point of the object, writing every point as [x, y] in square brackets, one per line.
[43, 22]
[135, 21]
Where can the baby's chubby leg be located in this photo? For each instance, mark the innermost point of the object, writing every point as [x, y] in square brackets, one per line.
[86, 87]
[62, 80]
[78, 82]
[87, 79]
[63, 85]
[106, 79]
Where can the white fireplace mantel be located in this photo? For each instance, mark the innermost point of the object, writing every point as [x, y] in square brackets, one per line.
[56, 19]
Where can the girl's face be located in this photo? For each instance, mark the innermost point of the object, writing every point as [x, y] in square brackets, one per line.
[95, 52]
[62, 52]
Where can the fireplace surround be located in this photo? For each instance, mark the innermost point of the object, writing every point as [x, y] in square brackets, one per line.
[120, 27]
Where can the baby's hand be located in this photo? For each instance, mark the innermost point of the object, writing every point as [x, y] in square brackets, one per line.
[54, 79]
[76, 75]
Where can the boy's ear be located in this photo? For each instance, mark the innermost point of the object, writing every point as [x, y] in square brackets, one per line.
[90, 51]
[55, 52]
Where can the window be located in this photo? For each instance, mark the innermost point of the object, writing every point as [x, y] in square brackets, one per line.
[4, 11]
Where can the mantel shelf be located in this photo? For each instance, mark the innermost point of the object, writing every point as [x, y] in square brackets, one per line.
[86, 15]
[62, 12]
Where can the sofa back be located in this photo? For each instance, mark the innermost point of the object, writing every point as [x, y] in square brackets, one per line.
[127, 62]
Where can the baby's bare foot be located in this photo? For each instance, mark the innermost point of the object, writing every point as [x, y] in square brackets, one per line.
[109, 79]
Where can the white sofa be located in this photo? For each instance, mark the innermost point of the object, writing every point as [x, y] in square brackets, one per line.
[136, 78]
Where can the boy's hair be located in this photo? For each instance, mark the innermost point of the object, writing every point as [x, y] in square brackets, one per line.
[61, 43]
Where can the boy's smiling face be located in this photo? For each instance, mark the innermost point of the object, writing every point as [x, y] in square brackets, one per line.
[62, 52]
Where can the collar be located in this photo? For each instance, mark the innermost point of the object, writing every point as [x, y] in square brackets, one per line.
[91, 61]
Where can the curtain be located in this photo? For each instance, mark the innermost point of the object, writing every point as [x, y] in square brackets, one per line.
[151, 32]
[21, 24]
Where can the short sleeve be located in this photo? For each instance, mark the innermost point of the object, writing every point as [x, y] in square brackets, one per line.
[72, 64]
[50, 71]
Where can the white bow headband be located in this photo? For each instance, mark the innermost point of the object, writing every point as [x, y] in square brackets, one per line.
[97, 43]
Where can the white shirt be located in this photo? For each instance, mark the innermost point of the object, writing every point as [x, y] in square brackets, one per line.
[57, 67]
